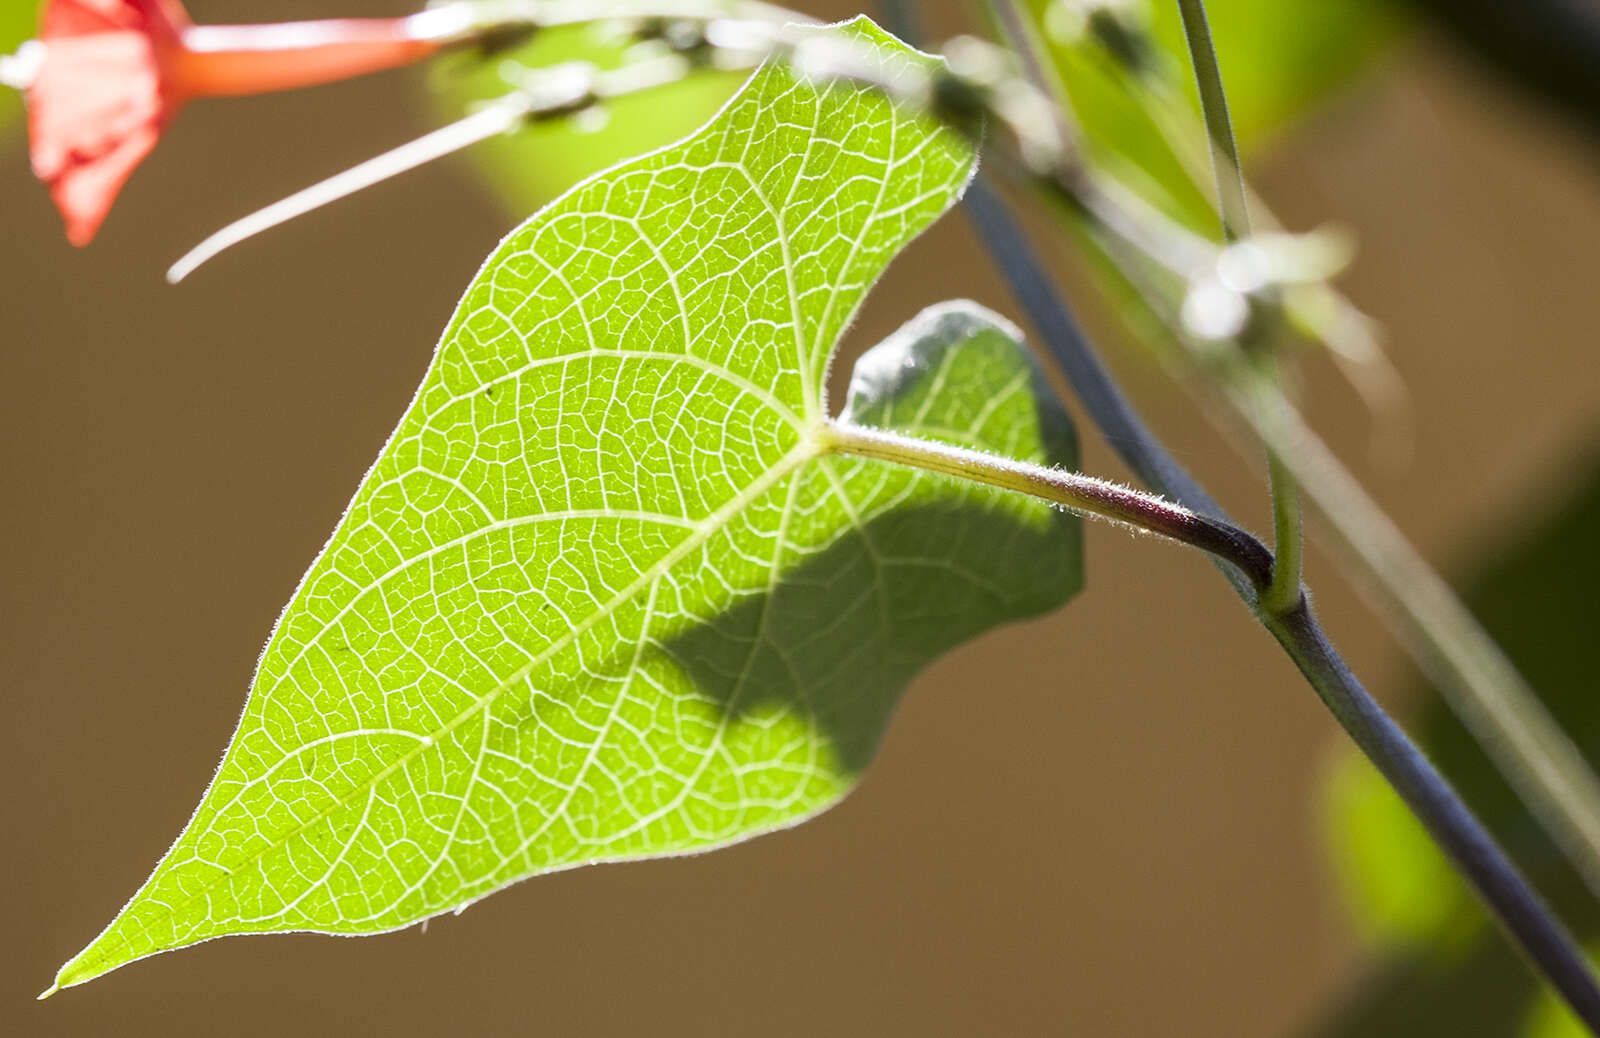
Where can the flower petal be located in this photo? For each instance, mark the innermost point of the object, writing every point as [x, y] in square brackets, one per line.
[86, 17]
[85, 191]
[93, 96]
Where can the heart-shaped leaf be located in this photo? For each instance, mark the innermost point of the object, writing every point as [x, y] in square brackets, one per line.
[604, 595]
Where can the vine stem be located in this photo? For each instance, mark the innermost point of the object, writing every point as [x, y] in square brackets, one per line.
[1520, 912]
[1511, 900]
[1481, 685]
[1288, 536]
[1513, 904]
[1511, 723]
[1138, 446]
[1288, 541]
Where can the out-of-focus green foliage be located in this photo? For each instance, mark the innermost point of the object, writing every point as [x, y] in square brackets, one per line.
[1412, 904]
[1119, 126]
[1277, 61]
[534, 165]
[1445, 968]
[1550, 1018]
[1280, 59]
[17, 21]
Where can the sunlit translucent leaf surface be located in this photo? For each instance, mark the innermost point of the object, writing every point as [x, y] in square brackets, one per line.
[601, 597]
[1447, 971]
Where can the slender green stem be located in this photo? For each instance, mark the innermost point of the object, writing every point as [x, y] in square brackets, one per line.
[1152, 76]
[1219, 126]
[1514, 904]
[1235, 213]
[1288, 541]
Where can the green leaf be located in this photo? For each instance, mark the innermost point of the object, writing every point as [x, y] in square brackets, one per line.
[602, 596]
[538, 162]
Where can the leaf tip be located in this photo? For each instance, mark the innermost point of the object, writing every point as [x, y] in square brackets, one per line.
[80, 969]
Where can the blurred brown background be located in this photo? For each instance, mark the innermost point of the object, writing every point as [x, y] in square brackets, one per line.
[1104, 823]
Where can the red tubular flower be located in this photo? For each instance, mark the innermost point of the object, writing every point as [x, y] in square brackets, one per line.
[114, 73]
